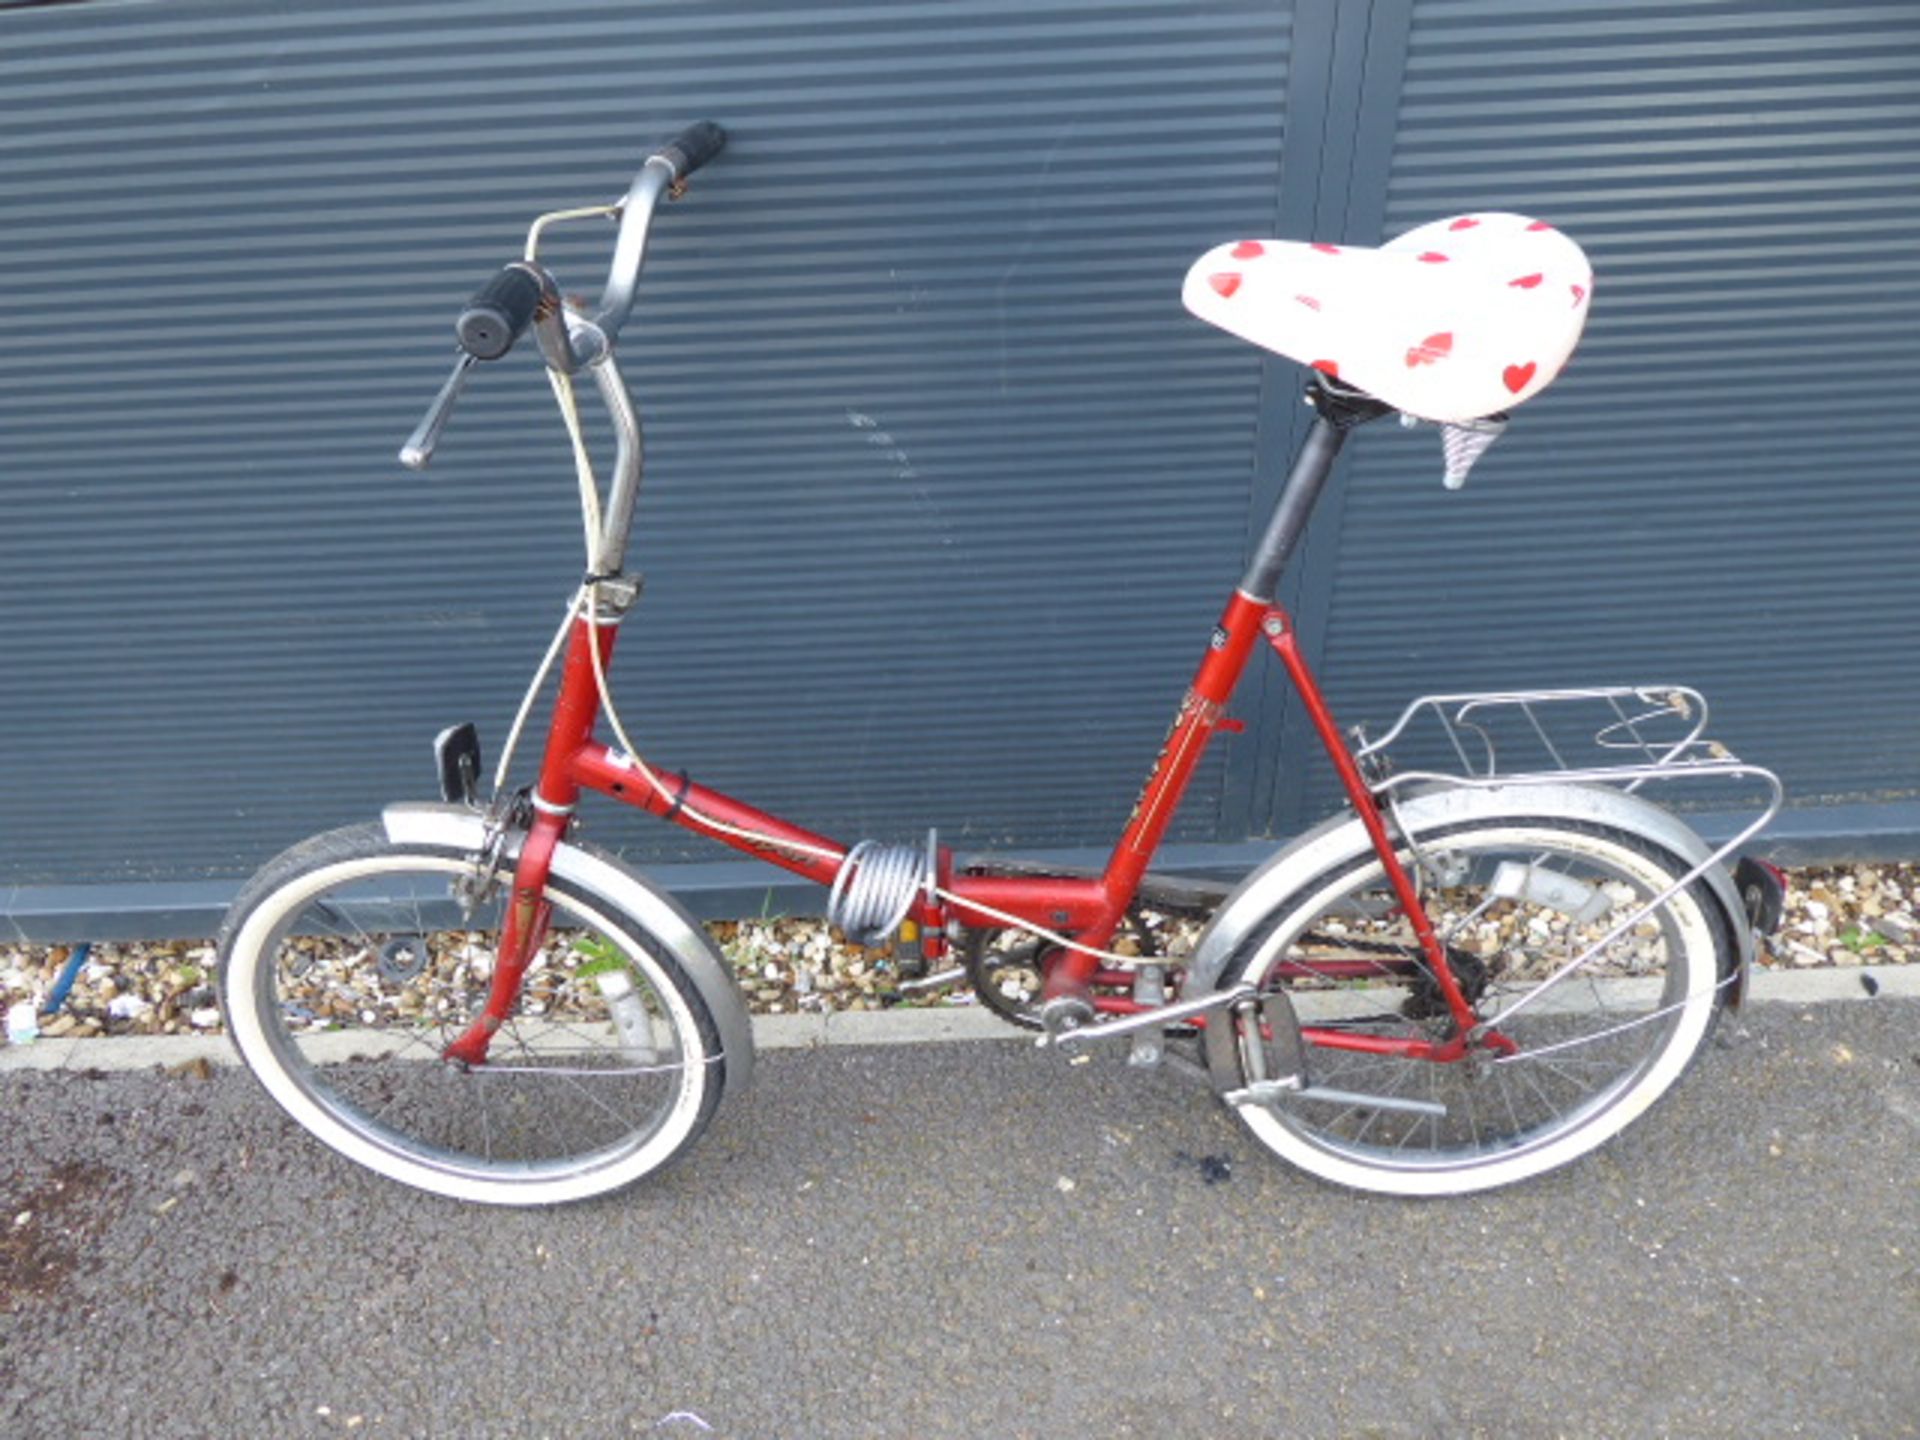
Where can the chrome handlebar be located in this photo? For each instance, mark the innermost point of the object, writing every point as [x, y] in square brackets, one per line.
[630, 249]
[570, 340]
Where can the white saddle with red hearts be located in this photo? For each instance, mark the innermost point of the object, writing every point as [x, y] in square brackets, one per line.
[1452, 322]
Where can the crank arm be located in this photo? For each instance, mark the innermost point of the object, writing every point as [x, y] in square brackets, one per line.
[933, 981]
[1154, 1019]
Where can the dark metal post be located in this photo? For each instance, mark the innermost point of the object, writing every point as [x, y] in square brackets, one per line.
[1339, 410]
[1293, 509]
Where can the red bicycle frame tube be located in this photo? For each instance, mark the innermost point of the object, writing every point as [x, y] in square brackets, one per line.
[1200, 714]
[1089, 908]
[1279, 630]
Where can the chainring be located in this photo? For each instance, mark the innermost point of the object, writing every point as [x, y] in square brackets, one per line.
[1006, 981]
[1009, 981]
[403, 958]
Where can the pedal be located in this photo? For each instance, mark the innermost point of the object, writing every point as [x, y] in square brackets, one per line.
[1149, 1046]
[904, 950]
[1263, 1034]
[456, 752]
[1282, 1054]
[1275, 1062]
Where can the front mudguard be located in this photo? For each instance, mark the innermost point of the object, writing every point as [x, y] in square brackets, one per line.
[1342, 840]
[455, 827]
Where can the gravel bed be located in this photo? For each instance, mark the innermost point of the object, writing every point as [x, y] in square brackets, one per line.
[1846, 916]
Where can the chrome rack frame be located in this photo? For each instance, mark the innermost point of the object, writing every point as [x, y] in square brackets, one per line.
[1639, 734]
[1644, 732]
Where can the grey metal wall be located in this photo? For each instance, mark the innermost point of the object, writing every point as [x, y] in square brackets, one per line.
[942, 492]
[944, 489]
[1722, 488]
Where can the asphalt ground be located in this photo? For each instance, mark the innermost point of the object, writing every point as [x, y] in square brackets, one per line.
[979, 1240]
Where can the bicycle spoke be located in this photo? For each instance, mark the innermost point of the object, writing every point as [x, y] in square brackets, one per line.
[486, 1117]
[1506, 1098]
[589, 1096]
[1468, 1113]
[1540, 1093]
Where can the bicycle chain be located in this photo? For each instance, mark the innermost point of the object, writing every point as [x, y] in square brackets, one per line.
[1426, 1002]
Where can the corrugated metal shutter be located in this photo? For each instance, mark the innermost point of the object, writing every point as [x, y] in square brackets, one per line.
[1720, 490]
[943, 488]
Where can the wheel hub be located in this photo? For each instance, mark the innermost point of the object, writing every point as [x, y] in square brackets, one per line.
[403, 958]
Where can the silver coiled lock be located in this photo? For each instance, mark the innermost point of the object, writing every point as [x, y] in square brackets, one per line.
[876, 887]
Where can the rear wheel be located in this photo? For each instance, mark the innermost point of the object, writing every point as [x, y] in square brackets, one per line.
[1600, 1024]
[350, 963]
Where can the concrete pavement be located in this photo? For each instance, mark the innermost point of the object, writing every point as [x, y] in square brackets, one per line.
[977, 1240]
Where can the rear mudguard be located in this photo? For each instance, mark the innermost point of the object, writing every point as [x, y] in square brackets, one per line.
[1343, 839]
[455, 827]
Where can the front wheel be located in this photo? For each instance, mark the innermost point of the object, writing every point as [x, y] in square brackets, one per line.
[350, 963]
[1591, 1027]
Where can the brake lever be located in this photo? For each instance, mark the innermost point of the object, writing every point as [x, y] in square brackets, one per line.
[419, 447]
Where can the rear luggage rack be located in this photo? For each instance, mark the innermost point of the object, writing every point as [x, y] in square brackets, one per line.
[1624, 736]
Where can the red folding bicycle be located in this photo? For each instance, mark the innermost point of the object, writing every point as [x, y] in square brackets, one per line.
[1477, 971]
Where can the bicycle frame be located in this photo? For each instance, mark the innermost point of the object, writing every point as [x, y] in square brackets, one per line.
[341, 968]
[1089, 908]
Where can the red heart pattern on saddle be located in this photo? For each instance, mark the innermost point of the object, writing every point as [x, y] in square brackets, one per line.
[1445, 322]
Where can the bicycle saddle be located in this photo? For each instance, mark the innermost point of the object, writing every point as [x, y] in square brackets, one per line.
[1452, 321]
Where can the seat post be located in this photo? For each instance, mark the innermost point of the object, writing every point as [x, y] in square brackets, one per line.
[1337, 411]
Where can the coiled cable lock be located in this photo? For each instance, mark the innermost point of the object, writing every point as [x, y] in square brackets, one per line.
[877, 885]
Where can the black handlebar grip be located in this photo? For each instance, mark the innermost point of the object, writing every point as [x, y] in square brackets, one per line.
[692, 148]
[499, 312]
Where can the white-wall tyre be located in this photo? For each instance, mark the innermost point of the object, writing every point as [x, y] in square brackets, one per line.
[1626, 1025]
[345, 968]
